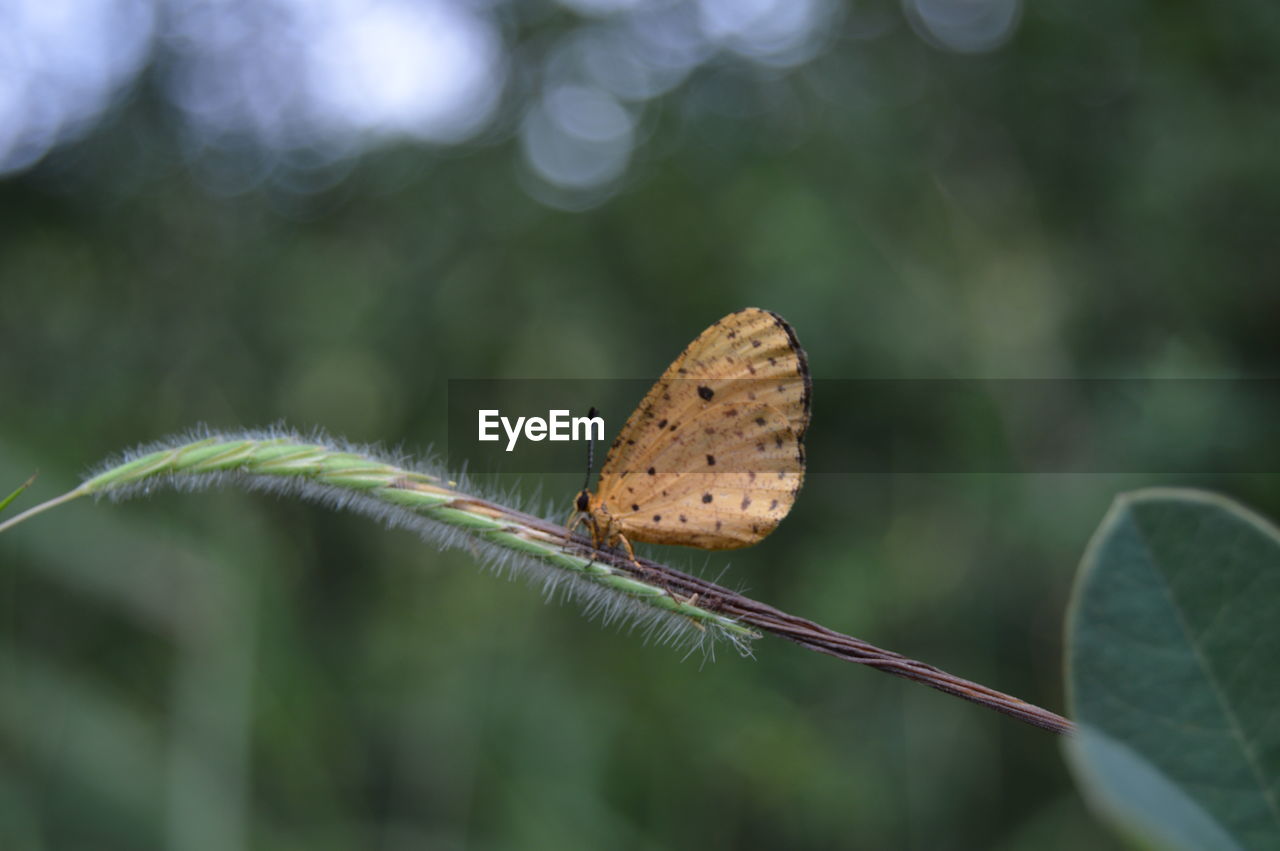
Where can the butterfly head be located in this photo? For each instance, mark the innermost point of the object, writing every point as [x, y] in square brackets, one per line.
[590, 511]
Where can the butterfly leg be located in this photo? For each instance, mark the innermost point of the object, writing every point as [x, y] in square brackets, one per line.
[575, 519]
[580, 518]
[600, 538]
[626, 545]
[691, 600]
[616, 539]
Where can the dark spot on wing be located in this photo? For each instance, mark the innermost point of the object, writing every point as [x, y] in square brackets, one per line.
[711, 460]
[706, 497]
[705, 392]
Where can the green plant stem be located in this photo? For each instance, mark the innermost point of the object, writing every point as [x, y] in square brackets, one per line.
[712, 608]
[42, 507]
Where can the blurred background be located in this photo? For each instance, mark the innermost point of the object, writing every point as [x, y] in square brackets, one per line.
[317, 212]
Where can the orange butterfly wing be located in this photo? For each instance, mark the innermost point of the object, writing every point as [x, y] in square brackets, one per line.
[714, 454]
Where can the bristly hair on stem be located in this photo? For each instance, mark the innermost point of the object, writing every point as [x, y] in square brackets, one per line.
[417, 496]
[665, 604]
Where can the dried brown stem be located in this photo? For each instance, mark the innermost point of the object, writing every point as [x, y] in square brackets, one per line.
[808, 634]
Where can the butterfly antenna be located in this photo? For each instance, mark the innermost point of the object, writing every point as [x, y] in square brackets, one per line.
[591, 450]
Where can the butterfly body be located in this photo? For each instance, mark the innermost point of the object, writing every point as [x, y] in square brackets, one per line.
[713, 457]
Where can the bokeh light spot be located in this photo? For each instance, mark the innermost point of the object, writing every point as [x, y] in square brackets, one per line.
[577, 137]
[62, 64]
[965, 26]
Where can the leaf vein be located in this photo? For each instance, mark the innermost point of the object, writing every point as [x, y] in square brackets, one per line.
[1233, 723]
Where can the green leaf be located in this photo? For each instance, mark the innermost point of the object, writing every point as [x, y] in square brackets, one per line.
[4, 503]
[1174, 671]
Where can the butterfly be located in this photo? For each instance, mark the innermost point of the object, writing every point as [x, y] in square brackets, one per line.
[714, 455]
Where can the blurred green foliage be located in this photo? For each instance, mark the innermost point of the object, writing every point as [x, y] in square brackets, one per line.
[1098, 197]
